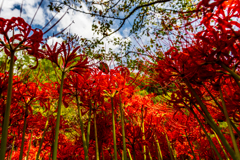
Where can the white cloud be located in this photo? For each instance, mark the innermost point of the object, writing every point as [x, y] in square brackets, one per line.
[53, 40]
[82, 26]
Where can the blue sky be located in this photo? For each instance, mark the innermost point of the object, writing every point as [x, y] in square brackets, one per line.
[82, 25]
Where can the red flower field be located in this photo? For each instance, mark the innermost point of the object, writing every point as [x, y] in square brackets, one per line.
[65, 107]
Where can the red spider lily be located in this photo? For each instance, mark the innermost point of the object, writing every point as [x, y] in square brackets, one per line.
[52, 53]
[118, 81]
[206, 66]
[66, 59]
[36, 125]
[28, 38]
[47, 94]
[85, 86]
[69, 60]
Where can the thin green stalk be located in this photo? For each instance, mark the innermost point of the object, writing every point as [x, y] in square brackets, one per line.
[49, 157]
[212, 153]
[55, 145]
[82, 130]
[123, 130]
[235, 75]
[156, 151]
[169, 147]
[143, 131]
[29, 146]
[103, 155]
[44, 132]
[237, 154]
[24, 131]
[89, 124]
[96, 137]
[158, 148]
[129, 153]
[149, 153]
[204, 108]
[7, 110]
[144, 147]
[182, 157]
[221, 145]
[12, 147]
[220, 107]
[114, 131]
[134, 152]
[209, 118]
[208, 137]
[190, 145]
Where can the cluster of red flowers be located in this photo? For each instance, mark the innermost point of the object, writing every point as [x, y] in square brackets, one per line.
[205, 73]
[106, 116]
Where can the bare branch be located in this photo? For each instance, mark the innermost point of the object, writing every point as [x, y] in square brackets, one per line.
[92, 14]
[56, 22]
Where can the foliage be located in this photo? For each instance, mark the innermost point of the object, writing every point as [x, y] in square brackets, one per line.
[184, 104]
[138, 18]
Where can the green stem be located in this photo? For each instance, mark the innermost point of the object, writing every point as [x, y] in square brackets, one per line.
[55, 145]
[169, 147]
[220, 107]
[149, 153]
[123, 130]
[7, 110]
[129, 153]
[144, 146]
[114, 131]
[12, 147]
[82, 130]
[190, 145]
[235, 75]
[44, 132]
[209, 118]
[89, 123]
[213, 153]
[29, 146]
[143, 138]
[103, 155]
[208, 137]
[24, 131]
[160, 157]
[96, 137]
[156, 150]
[221, 145]
[237, 154]
[134, 152]
[209, 122]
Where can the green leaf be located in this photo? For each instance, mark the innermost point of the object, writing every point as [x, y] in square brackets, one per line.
[104, 67]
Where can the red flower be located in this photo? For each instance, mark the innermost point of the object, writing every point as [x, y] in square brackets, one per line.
[27, 38]
[70, 60]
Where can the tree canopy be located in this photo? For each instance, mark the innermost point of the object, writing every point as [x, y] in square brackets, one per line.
[141, 18]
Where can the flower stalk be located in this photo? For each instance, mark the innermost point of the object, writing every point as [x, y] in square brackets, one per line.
[210, 120]
[24, 131]
[96, 137]
[123, 130]
[82, 129]
[55, 145]
[44, 132]
[29, 146]
[114, 130]
[89, 124]
[237, 154]
[7, 110]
